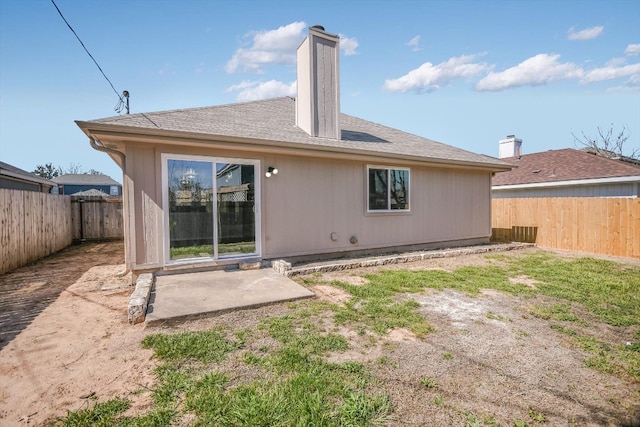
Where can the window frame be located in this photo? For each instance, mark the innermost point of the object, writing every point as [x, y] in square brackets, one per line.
[389, 170]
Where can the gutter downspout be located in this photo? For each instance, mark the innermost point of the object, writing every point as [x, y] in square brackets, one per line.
[97, 145]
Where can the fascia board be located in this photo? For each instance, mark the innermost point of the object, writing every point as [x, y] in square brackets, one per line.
[569, 183]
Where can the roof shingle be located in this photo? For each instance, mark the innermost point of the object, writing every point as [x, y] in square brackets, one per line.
[85, 179]
[273, 120]
[562, 165]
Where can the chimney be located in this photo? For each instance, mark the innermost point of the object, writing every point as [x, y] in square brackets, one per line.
[510, 147]
[318, 100]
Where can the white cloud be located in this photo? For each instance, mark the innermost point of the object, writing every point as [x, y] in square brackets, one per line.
[269, 47]
[414, 43]
[348, 45]
[429, 77]
[537, 70]
[632, 50]
[586, 34]
[611, 72]
[255, 90]
[631, 85]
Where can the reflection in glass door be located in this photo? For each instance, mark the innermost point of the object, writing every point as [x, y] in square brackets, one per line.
[211, 208]
[236, 217]
[190, 209]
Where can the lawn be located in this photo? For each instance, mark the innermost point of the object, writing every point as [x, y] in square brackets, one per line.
[518, 339]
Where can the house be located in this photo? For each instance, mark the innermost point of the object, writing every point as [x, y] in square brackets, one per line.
[14, 178]
[563, 173]
[284, 177]
[70, 184]
[567, 199]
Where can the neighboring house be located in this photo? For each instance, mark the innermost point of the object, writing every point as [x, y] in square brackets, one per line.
[15, 178]
[567, 199]
[563, 173]
[70, 184]
[288, 177]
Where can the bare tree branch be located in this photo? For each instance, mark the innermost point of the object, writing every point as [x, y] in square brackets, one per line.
[608, 143]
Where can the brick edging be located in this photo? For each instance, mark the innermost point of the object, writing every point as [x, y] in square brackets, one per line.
[285, 268]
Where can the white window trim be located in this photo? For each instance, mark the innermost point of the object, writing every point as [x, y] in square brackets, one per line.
[387, 211]
[165, 157]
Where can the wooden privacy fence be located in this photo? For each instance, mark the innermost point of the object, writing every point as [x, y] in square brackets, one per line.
[96, 218]
[587, 224]
[32, 225]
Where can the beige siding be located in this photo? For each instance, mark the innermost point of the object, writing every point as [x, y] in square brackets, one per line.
[143, 169]
[303, 104]
[311, 198]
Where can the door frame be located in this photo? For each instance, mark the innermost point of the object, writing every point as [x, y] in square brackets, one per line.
[167, 261]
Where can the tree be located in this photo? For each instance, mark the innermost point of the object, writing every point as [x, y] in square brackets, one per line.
[74, 168]
[608, 143]
[48, 171]
[94, 172]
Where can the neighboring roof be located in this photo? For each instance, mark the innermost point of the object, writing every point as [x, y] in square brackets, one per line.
[563, 165]
[91, 193]
[84, 179]
[272, 122]
[16, 173]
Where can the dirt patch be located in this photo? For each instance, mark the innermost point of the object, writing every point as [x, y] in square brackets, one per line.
[524, 280]
[331, 294]
[71, 340]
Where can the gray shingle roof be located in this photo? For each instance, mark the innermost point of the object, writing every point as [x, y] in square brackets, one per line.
[84, 179]
[273, 121]
[10, 170]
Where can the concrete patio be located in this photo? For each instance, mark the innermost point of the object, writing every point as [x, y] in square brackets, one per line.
[180, 296]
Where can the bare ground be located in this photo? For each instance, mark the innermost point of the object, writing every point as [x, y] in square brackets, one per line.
[64, 337]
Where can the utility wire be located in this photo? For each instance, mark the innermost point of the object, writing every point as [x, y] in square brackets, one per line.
[87, 50]
[121, 101]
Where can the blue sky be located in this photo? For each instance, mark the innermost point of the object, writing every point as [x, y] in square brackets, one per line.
[466, 73]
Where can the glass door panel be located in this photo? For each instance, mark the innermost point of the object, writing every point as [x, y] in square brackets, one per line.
[236, 215]
[191, 213]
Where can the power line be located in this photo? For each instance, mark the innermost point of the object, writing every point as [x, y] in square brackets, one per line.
[88, 53]
[121, 103]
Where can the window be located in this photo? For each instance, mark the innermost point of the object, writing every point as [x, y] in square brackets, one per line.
[387, 189]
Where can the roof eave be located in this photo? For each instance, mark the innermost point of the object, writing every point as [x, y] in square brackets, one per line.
[22, 177]
[122, 133]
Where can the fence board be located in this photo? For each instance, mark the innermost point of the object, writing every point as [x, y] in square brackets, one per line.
[32, 225]
[101, 218]
[599, 225]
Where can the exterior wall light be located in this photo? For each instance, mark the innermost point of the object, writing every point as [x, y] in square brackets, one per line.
[271, 171]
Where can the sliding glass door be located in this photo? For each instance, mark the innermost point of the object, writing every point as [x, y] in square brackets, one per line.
[211, 209]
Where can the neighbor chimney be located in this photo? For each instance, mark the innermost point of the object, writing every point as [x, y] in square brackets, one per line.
[510, 147]
[318, 101]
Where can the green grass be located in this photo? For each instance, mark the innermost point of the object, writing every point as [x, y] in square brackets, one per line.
[607, 289]
[207, 250]
[296, 385]
[560, 311]
[99, 414]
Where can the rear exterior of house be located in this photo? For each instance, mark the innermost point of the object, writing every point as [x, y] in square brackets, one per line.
[269, 179]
